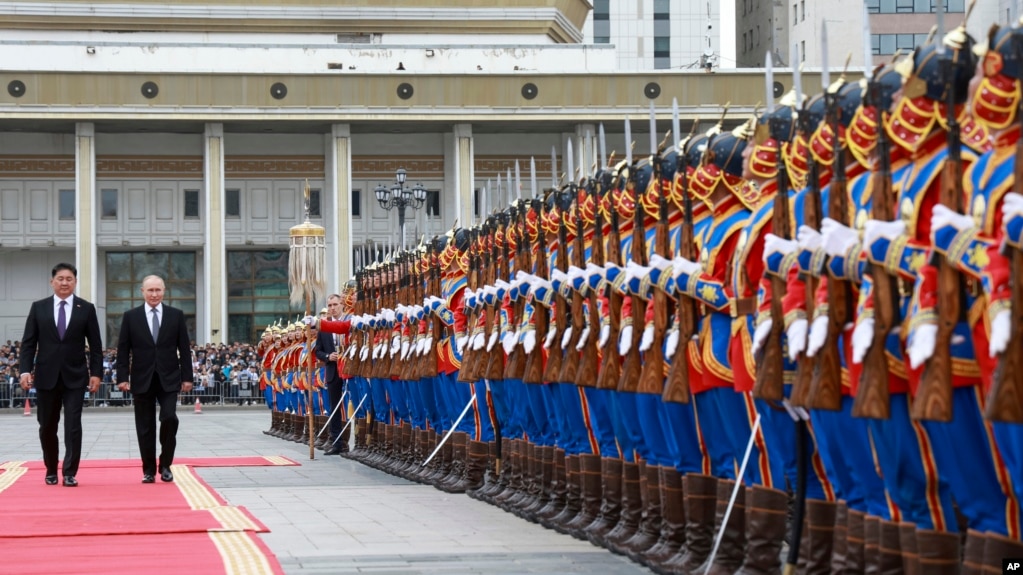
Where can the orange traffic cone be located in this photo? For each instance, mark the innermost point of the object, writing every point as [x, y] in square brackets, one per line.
[28, 407]
[198, 406]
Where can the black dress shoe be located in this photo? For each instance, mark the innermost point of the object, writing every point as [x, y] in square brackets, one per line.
[166, 475]
[51, 479]
[335, 450]
[148, 478]
[70, 481]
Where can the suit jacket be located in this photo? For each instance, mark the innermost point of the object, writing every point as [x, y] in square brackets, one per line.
[139, 357]
[44, 352]
[325, 347]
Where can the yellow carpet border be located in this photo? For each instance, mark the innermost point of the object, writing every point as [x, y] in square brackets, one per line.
[240, 553]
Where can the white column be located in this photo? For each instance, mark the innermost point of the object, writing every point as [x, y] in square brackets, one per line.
[215, 257]
[465, 173]
[85, 211]
[338, 210]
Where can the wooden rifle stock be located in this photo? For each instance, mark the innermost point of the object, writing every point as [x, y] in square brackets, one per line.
[651, 378]
[676, 390]
[589, 363]
[515, 366]
[806, 365]
[535, 362]
[826, 389]
[633, 364]
[570, 365]
[555, 354]
[1005, 401]
[611, 363]
[466, 373]
[770, 382]
[872, 397]
[495, 367]
[933, 399]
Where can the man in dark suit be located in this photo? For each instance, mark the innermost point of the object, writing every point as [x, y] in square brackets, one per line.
[327, 347]
[54, 359]
[154, 362]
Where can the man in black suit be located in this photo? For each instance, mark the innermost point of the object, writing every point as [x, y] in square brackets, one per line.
[54, 359]
[327, 346]
[154, 362]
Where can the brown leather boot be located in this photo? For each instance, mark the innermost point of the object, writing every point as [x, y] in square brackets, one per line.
[889, 549]
[458, 441]
[910, 554]
[999, 547]
[766, 519]
[556, 501]
[443, 459]
[650, 527]
[611, 502]
[502, 469]
[273, 424]
[855, 542]
[673, 521]
[489, 475]
[573, 497]
[544, 475]
[733, 539]
[871, 545]
[589, 494]
[840, 547]
[939, 552]
[359, 450]
[973, 553]
[701, 506]
[820, 521]
[477, 453]
[632, 507]
[517, 469]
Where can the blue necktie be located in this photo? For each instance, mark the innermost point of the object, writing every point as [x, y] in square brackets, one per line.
[155, 325]
[61, 321]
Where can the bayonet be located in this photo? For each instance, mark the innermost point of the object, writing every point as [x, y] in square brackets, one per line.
[570, 161]
[868, 52]
[653, 130]
[532, 176]
[825, 74]
[554, 167]
[603, 146]
[675, 127]
[518, 182]
[769, 82]
[628, 143]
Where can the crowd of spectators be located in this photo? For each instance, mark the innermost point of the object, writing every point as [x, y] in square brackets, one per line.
[223, 374]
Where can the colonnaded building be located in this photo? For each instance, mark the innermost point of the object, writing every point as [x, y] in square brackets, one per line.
[143, 137]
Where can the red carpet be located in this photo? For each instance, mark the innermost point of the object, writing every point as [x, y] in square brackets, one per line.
[112, 523]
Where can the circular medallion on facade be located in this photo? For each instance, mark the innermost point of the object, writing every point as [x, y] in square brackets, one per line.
[529, 90]
[778, 89]
[405, 90]
[278, 91]
[652, 90]
[150, 90]
[16, 88]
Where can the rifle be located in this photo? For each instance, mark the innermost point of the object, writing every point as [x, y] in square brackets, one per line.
[495, 367]
[589, 367]
[872, 398]
[535, 364]
[570, 366]
[466, 374]
[555, 354]
[633, 364]
[676, 390]
[934, 394]
[436, 326]
[1005, 400]
[826, 388]
[651, 378]
[611, 364]
[515, 367]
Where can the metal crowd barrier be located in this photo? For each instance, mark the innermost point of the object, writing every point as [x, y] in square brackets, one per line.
[13, 397]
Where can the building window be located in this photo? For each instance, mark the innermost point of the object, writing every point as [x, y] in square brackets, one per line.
[888, 44]
[795, 14]
[802, 50]
[601, 21]
[433, 203]
[233, 203]
[912, 6]
[802, 10]
[66, 204]
[356, 203]
[873, 6]
[476, 203]
[108, 204]
[192, 204]
[662, 47]
[257, 292]
[314, 203]
[125, 272]
[662, 10]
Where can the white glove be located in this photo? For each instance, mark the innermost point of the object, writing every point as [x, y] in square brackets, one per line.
[818, 335]
[921, 345]
[428, 345]
[648, 337]
[796, 334]
[508, 341]
[943, 216]
[874, 230]
[681, 265]
[808, 238]
[1000, 330]
[837, 239]
[460, 342]
[566, 337]
[862, 338]
[1012, 205]
[659, 262]
[309, 320]
[492, 340]
[585, 335]
[404, 350]
[760, 334]
[478, 341]
[605, 333]
[529, 341]
[549, 339]
[364, 353]
[671, 343]
[625, 340]
[776, 244]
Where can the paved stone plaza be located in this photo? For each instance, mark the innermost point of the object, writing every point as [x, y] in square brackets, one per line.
[332, 515]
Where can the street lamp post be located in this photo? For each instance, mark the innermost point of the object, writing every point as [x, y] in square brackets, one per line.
[398, 196]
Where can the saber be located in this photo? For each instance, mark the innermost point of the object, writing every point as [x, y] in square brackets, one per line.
[350, 420]
[450, 431]
[738, 486]
[339, 404]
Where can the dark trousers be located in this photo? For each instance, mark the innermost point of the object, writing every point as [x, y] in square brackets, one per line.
[335, 389]
[145, 425]
[49, 403]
